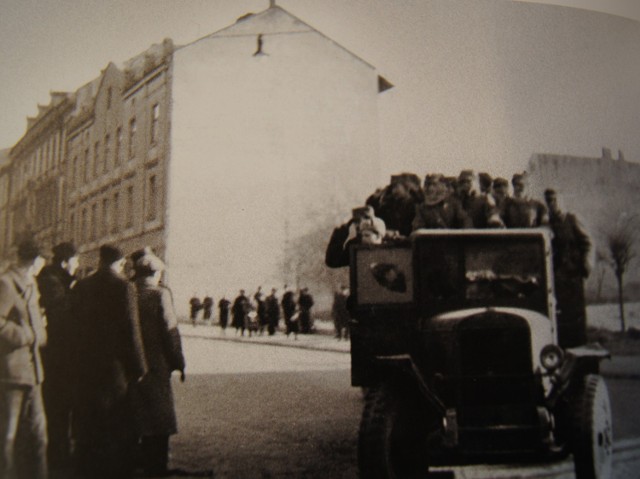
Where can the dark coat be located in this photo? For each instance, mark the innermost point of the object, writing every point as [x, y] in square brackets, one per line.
[154, 410]
[337, 253]
[339, 310]
[570, 246]
[54, 283]
[288, 305]
[273, 309]
[109, 353]
[481, 209]
[239, 309]
[223, 305]
[448, 213]
[207, 306]
[523, 213]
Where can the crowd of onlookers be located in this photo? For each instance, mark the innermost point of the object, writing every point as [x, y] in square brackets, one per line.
[258, 313]
[85, 366]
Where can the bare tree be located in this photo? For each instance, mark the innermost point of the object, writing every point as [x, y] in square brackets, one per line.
[621, 243]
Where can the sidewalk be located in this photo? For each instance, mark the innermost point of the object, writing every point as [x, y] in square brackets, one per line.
[321, 340]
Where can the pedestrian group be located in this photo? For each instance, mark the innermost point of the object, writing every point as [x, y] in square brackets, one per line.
[259, 314]
[85, 366]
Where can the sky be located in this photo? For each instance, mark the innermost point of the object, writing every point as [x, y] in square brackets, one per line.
[479, 84]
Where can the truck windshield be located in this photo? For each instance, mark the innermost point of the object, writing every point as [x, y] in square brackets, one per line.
[468, 271]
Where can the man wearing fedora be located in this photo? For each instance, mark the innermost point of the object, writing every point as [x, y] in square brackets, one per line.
[55, 282]
[109, 360]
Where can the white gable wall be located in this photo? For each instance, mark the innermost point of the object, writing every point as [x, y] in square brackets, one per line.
[260, 147]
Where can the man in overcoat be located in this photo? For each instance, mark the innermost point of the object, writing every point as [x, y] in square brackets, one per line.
[288, 308]
[239, 310]
[55, 282]
[23, 424]
[305, 302]
[109, 360]
[273, 312]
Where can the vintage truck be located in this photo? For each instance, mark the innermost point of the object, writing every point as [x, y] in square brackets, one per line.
[454, 341]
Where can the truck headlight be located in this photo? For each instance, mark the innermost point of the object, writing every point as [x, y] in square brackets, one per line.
[551, 357]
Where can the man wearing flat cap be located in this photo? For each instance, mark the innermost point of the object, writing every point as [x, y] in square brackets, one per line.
[54, 282]
[110, 359]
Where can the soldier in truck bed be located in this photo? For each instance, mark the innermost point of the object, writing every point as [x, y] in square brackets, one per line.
[363, 227]
[439, 209]
[571, 247]
[395, 204]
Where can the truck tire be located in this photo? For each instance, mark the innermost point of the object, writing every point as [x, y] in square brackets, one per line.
[592, 435]
[393, 436]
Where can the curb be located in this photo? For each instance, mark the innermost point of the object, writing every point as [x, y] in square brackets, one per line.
[186, 331]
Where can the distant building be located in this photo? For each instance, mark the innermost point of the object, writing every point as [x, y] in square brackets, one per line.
[598, 189]
[5, 170]
[601, 190]
[219, 154]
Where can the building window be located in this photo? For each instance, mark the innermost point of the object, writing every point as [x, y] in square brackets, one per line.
[74, 172]
[87, 166]
[129, 208]
[155, 123]
[105, 218]
[96, 159]
[109, 97]
[116, 159]
[152, 198]
[107, 152]
[94, 221]
[72, 227]
[114, 216]
[132, 137]
[83, 226]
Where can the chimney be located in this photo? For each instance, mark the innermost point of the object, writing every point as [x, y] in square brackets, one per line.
[606, 154]
[620, 155]
[272, 3]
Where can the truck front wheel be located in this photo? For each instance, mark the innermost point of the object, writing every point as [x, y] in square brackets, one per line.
[592, 437]
[392, 442]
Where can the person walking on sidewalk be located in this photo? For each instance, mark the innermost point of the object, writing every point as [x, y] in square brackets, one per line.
[239, 310]
[305, 302]
[207, 308]
[273, 312]
[288, 308]
[223, 316]
[340, 313]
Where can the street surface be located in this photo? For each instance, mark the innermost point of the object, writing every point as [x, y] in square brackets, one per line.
[252, 410]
